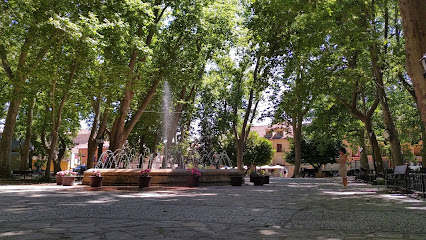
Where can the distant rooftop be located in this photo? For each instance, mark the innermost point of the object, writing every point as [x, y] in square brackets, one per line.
[263, 130]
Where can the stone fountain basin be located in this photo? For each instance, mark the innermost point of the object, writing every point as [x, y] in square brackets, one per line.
[163, 177]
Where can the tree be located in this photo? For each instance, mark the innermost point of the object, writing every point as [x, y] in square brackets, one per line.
[378, 66]
[315, 153]
[349, 66]
[414, 25]
[294, 39]
[258, 150]
[23, 45]
[331, 122]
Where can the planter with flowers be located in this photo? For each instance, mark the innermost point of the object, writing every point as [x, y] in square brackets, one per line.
[68, 178]
[194, 179]
[96, 179]
[145, 178]
[258, 178]
[59, 176]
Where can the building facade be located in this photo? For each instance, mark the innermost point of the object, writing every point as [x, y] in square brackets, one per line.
[279, 136]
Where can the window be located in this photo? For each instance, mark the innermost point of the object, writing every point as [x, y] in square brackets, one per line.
[279, 147]
[268, 134]
[279, 134]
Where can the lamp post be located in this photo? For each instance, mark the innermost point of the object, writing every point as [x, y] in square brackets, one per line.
[423, 61]
[100, 142]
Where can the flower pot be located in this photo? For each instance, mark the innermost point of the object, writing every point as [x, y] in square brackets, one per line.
[68, 180]
[144, 181]
[265, 179]
[96, 181]
[258, 180]
[193, 181]
[58, 179]
[236, 181]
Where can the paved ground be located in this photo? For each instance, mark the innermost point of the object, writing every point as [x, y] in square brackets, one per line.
[284, 209]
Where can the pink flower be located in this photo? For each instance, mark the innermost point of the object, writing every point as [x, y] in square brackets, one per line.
[145, 172]
[195, 172]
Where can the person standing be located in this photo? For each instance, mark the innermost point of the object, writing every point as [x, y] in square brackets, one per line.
[343, 167]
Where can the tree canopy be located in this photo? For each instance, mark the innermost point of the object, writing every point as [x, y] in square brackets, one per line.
[329, 69]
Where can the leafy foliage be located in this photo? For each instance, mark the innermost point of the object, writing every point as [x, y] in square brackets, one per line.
[316, 153]
[258, 150]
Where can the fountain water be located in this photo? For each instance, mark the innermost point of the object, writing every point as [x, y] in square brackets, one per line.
[123, 158]
[167, 119]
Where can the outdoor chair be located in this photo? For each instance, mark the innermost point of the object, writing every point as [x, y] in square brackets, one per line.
[398, 179]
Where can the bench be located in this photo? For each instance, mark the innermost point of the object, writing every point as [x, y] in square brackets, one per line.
[397, 179]
[23, 172]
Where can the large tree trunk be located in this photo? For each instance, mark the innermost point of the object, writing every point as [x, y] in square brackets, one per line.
[25, 151]
[414, 25]
[377, 155]
[120, 131]
[97, 132]
[7, 136]
[297, 138]
[240, 154]
[387, 117]
[423, 147]
[363, 154]
[61, 153]
[52, 152]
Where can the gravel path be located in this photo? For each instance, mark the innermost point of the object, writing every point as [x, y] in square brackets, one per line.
[284, 209]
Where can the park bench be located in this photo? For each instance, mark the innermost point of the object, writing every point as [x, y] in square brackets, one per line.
[397, 179]
[23, 173]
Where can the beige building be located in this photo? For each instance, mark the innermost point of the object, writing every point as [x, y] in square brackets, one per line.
[279, 136]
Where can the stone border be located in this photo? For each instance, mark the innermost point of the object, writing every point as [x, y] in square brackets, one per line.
[163, 177]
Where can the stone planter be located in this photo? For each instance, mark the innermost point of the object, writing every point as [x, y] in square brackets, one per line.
[58, 179]
[251, 178]
[144, 181]
[68, 180]
[258, 180]
[192, 181]
[96, 181]
[265, 179]
[236, 181]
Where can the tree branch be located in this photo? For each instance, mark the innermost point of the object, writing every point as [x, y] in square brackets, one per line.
[5, 63]
[407, 86]
[25, 47]
[373, 107]
[143, 105]
[252, 119]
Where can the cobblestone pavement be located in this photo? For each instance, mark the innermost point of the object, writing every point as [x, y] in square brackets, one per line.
[284, 209]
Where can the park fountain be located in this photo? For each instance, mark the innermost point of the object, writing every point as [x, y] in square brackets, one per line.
[123, 166]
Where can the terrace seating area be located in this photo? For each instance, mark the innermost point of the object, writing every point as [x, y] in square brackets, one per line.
[401, 179]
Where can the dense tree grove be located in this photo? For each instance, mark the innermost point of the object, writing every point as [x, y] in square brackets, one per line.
[329, 69]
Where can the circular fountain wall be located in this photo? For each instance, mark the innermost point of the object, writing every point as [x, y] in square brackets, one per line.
[163, 177]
